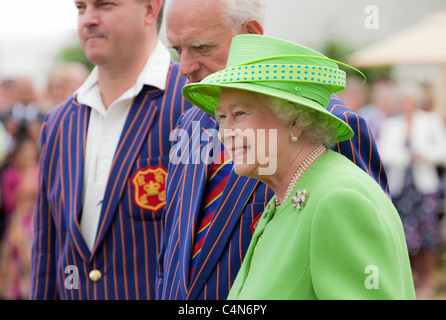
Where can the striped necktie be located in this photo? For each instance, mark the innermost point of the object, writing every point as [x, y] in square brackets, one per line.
[218, 178]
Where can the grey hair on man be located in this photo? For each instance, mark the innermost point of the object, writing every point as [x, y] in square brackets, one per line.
[237, 12]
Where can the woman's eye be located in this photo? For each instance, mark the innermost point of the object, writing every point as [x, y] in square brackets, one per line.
[239, 113]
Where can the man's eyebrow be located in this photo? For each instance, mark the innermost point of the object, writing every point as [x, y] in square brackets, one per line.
[193, 44]
[203, 43]
[97, 2]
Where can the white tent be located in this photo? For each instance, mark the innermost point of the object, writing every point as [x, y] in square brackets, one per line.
[421, 44]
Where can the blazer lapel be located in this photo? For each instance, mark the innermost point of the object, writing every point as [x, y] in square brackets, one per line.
[194, 177]
[139, 121]
[231, 204]
[73, 141]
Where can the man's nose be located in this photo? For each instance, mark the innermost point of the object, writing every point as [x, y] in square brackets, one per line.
[189, 66]
[88, 17]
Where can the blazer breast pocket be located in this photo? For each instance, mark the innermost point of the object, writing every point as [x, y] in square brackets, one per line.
[147, 185]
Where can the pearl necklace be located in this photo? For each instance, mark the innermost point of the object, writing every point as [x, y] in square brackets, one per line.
[312, 157]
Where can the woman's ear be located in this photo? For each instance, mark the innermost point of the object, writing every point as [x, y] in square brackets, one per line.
[295, 130]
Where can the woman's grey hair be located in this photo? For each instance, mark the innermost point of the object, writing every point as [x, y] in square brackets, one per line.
[315, 125]
[237, 12]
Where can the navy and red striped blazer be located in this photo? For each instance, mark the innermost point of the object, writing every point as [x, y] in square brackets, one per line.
[362, 148]
[127, 243]
[242, 202]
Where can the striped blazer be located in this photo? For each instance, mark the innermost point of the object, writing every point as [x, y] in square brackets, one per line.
[239, 208]
[362, 148]
[124, 256]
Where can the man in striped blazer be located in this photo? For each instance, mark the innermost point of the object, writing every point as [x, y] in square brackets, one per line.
[104, 160]
[200, 253]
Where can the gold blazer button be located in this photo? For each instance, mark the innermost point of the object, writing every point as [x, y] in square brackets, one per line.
[95, 275]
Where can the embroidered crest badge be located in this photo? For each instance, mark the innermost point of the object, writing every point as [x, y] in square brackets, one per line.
[150, 188]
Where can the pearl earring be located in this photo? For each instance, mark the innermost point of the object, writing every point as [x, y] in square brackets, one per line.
[294, 139]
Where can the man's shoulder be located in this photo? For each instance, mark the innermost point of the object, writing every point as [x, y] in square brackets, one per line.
[338, 108]
[60, 112]
[197, 115]
[63, 107]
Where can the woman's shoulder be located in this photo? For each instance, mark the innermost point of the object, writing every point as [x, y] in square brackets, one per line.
[336, 173]
[341, 187]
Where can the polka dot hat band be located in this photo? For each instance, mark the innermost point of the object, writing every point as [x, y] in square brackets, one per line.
[282, 72]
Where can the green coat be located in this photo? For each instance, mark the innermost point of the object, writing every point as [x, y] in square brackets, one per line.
[347, 242]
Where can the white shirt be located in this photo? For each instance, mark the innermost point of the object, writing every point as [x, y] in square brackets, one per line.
[427, 140]
[104, 132]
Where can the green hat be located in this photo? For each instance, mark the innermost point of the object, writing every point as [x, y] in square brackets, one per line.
[277, 68]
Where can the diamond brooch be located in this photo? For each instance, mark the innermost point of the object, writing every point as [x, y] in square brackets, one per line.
[299, 199]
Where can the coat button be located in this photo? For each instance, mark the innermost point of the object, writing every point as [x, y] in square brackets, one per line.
[95, 275]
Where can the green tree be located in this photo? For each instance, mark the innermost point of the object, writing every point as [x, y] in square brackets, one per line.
[339, 49]
[73, 53]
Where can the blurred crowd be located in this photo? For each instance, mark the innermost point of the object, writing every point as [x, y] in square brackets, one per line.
[22, 109]
[411, 138]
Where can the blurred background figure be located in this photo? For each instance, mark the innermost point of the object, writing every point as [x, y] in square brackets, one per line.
[63, 81]
[5, 104]
[77, 74]
[18, 182]
[25, 116]
[56, 90]
[25, 108]
[355, 94]
[382, 105]
[412, 145]
[373, 102]
[7, 95]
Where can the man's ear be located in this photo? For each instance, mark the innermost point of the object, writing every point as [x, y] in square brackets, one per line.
[153, 11]
[252, 26]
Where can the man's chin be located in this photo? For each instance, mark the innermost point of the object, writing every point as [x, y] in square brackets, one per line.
[94, 57]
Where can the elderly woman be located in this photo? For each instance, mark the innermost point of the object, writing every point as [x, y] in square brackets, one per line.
[329, 232]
